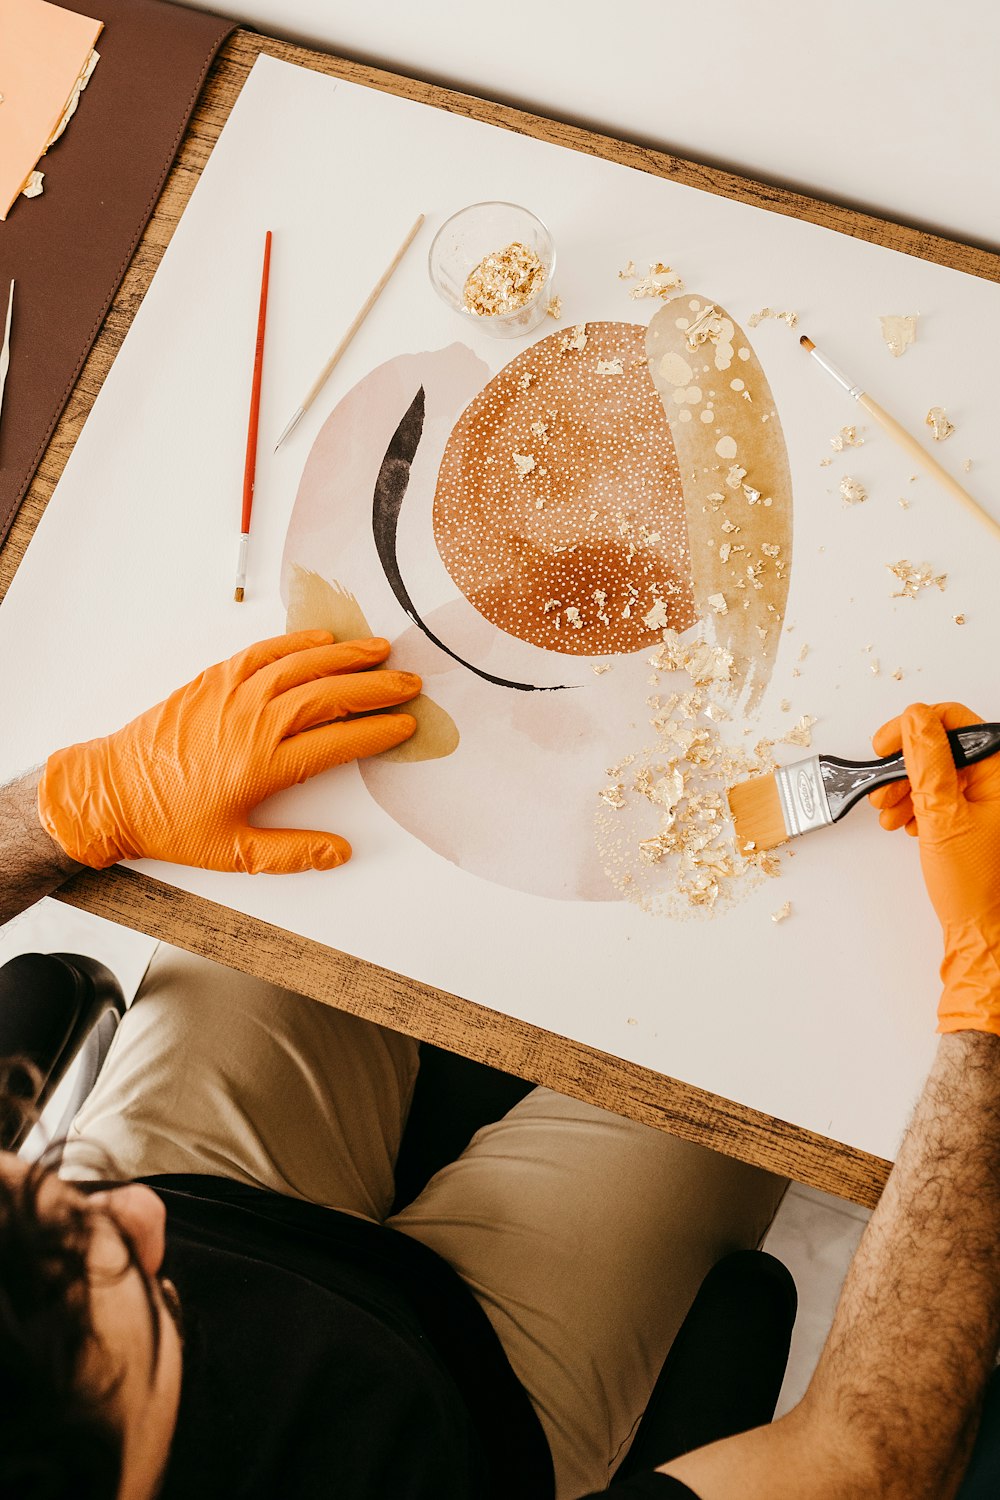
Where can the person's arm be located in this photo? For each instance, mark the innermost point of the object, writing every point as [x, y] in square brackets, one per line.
[891, 1409]
[893, 1406]
[181, 782]
[32, 862]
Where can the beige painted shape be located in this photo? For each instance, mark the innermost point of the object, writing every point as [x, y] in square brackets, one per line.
[722, 431]
[315, 603]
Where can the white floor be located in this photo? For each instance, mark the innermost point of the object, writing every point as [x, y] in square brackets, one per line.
[814, 1235]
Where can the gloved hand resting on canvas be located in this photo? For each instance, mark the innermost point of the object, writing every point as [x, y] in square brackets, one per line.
[956, 817]
[180, 782]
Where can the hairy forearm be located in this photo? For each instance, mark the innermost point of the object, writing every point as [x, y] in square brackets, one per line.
[893, 1405]
[916, 1329]
[31, 863]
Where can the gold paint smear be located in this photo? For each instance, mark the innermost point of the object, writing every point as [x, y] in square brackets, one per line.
[314, 603]
[753, 583]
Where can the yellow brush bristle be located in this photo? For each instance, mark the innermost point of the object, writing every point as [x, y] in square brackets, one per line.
[756, 810]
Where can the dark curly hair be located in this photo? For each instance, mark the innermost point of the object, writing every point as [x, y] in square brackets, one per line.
[57, 1439]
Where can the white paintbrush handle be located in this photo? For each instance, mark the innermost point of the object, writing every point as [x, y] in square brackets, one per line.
[374, 295]
[920, 455]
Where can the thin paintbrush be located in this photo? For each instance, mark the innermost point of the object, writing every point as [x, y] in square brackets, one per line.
[250, 465]
[812, 793]
[905, 439]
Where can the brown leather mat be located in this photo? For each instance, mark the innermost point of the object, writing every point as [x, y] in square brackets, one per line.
[68, 249]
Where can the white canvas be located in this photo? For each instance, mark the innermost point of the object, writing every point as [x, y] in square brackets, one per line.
[825, 1020]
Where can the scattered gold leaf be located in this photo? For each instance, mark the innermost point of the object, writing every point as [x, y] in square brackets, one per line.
[915, 577]
[899, 332]
[938, 422]
[790, 318]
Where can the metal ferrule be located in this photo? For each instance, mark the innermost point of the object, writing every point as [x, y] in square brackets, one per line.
[802, 796]
[831, 369]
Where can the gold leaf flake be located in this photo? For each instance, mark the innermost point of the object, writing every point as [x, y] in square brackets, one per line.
[706, 327]
[614, 795]
[576, 338]
[784, 705]
[628, 271]
[661, 285]
[800, 733]
[898, 674]
[853, 490]
[847, 437]
[967, 465]
[601, 667]
[539, 430]
[610, 366]
[718, 603]
[959, 619]
[735, 477]
[790, 318]
[658, 617]
[525, 380]
[915, 577]
[899, 332]
[523, 463]
[554, 308]
[938, 422]
[782, 912]
[804, 649]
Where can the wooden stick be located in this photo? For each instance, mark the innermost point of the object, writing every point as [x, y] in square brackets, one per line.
[920, 455]
[335, 357]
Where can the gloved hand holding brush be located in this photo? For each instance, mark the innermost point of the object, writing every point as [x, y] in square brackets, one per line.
[956, 817]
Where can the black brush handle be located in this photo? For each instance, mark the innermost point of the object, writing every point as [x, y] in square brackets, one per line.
[847, 781]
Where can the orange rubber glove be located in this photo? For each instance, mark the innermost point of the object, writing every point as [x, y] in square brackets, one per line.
[179, 783]
[956, 817]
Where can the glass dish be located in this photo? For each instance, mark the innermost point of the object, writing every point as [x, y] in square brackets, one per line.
[480, 230]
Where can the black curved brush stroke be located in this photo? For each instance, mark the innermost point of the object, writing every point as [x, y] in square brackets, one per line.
[390, 488]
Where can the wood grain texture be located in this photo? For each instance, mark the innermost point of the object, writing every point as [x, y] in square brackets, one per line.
[364, 989]
[333, 977]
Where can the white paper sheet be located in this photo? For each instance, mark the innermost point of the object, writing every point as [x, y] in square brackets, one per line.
[826, 1019]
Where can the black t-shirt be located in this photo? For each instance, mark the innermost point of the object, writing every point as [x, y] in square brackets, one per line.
[328, 1358]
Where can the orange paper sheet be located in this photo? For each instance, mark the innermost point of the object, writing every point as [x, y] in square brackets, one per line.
[43, 51]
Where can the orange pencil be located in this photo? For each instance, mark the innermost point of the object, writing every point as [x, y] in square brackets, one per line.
[250, 466]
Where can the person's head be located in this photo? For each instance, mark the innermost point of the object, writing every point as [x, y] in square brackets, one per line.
[90, 1348]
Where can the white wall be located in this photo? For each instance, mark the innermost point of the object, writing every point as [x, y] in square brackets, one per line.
[891, 105]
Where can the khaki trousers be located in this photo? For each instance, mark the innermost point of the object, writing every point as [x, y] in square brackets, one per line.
[584, 1236]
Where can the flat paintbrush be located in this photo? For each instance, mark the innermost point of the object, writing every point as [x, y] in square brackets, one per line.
[768, 810]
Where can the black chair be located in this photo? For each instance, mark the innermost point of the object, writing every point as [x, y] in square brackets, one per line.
[724, 1371]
